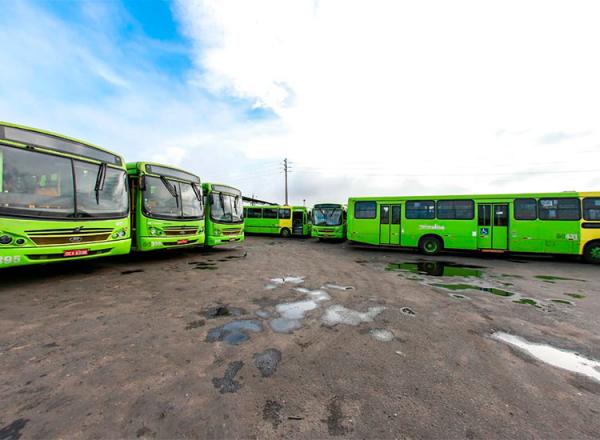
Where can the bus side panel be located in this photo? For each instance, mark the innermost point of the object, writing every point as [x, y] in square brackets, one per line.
[362, 230]
[524, 236]
[459, 234]
[560, 236]
[413, 229]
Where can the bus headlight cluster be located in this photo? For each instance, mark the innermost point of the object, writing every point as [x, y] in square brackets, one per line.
[155, 231]
[5, 239]
[119, 234]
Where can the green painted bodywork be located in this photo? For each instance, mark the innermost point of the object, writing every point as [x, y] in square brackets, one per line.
[535, 236]
[218, 233]
[107, 237]
[329, 232]
[168, 233]
[300, 227]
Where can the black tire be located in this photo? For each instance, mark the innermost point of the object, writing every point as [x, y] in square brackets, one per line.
[591, 252]
[431, 245]
[285, 233]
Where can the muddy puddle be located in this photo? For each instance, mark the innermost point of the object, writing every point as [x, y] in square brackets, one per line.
[130, 271]
[268, 361]
[552, 278]
[550, 355]
[204, 265]
[575, 295]
[337, 287]
[338, 314]
[462, 286]
[437, 269]
[227, 383]
[221, 311]
[235, 332]
[381, 334]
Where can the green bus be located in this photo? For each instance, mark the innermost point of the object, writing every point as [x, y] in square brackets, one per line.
[550, 223]
[224, 214]
[329, 221]
[281, 220]
[167, 207]
[60, 199]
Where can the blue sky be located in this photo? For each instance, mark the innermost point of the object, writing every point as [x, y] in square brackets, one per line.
[423, 100]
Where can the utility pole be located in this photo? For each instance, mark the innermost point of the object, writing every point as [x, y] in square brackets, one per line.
[285, 171]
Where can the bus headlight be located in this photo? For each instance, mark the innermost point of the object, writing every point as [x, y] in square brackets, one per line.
[153, 231]
[119, 234]
[5, 239]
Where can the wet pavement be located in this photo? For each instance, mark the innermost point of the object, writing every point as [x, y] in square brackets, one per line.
[300, 339]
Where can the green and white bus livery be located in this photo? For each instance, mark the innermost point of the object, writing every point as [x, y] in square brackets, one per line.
[549, 223]
[60, 199]
[224, 214]
[167, 207]
[329, 221]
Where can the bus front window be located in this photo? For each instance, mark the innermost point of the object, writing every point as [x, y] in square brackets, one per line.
[190, 204]
[158, 201]
[226, 208]
[327, 216]
[35, 185]
[100, 199]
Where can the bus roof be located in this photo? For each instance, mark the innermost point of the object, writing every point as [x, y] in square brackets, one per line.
[29, 136]
[220, 187]
[471, 196]
[135, 168]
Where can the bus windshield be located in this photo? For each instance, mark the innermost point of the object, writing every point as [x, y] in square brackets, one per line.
[182, 202]
[42, 185]
[226, 208]
[327, 216]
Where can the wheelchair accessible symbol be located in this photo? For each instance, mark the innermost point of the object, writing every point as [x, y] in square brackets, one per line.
[485, 231]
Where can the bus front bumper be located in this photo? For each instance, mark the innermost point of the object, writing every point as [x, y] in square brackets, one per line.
[332, 233]
[22, 256]
[168, 242]
[212, 240]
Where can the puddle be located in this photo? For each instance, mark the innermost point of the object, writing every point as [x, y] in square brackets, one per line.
[282, 325]
[338, 314]
[203, 265]
[492, 290]
[267, 361]
[527, 301]
[227, 384]
[575, 295]
[551, 278]
[564, 359]
[335, 286]
[315, 295]
[407, 311]
[127, 272]
[286, 280]
[562, 301]
[382, 334]
[457, 296]
[263, 314]
[221, 311]
[235, 332]
[295, 310]
[508, 275]
[438, 268]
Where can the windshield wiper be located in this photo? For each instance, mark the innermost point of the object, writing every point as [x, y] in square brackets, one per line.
[100, 178]
[197, 191]
[171, 188]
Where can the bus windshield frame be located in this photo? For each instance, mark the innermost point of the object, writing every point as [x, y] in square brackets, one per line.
[172, 197]
[229, 204]
[48, 186]
[328, 214]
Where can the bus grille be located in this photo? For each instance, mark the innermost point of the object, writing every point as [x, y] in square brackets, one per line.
[181, 230]
[232, 231]
[50, 237]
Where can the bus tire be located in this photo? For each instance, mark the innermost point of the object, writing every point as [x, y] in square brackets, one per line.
[591, 252]
[431, 245]
[285, 233]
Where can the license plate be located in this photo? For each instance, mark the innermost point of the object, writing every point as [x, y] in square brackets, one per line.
[76, 253]
[182, 241]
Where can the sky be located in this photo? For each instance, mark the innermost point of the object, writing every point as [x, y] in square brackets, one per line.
[364, 97]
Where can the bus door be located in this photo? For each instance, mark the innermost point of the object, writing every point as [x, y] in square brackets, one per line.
[492, 226]
[389, 224]
[298, 223]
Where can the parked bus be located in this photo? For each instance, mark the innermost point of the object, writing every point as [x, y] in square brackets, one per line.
[224, 214]
[167, 207]
[60, 199]
[282, 220]
[552, 223]
[329, 221]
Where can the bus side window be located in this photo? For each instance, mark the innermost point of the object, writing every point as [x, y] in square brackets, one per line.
[269, 213]
[591, 208]
[365, 210]
[254, 213]
[284, 213]
[525, 209]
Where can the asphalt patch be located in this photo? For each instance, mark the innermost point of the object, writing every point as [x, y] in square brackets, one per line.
[13, 430]
[228, 384]
[267, 361]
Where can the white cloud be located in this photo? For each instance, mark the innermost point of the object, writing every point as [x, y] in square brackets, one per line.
[387, 89]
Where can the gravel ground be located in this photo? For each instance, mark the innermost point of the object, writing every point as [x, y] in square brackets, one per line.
[182, 345]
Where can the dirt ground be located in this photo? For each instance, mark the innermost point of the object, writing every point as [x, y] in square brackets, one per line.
[135, 347]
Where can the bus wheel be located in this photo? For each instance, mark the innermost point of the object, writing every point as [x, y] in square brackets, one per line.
[285, 233]
[591, 252]
[430, 245]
